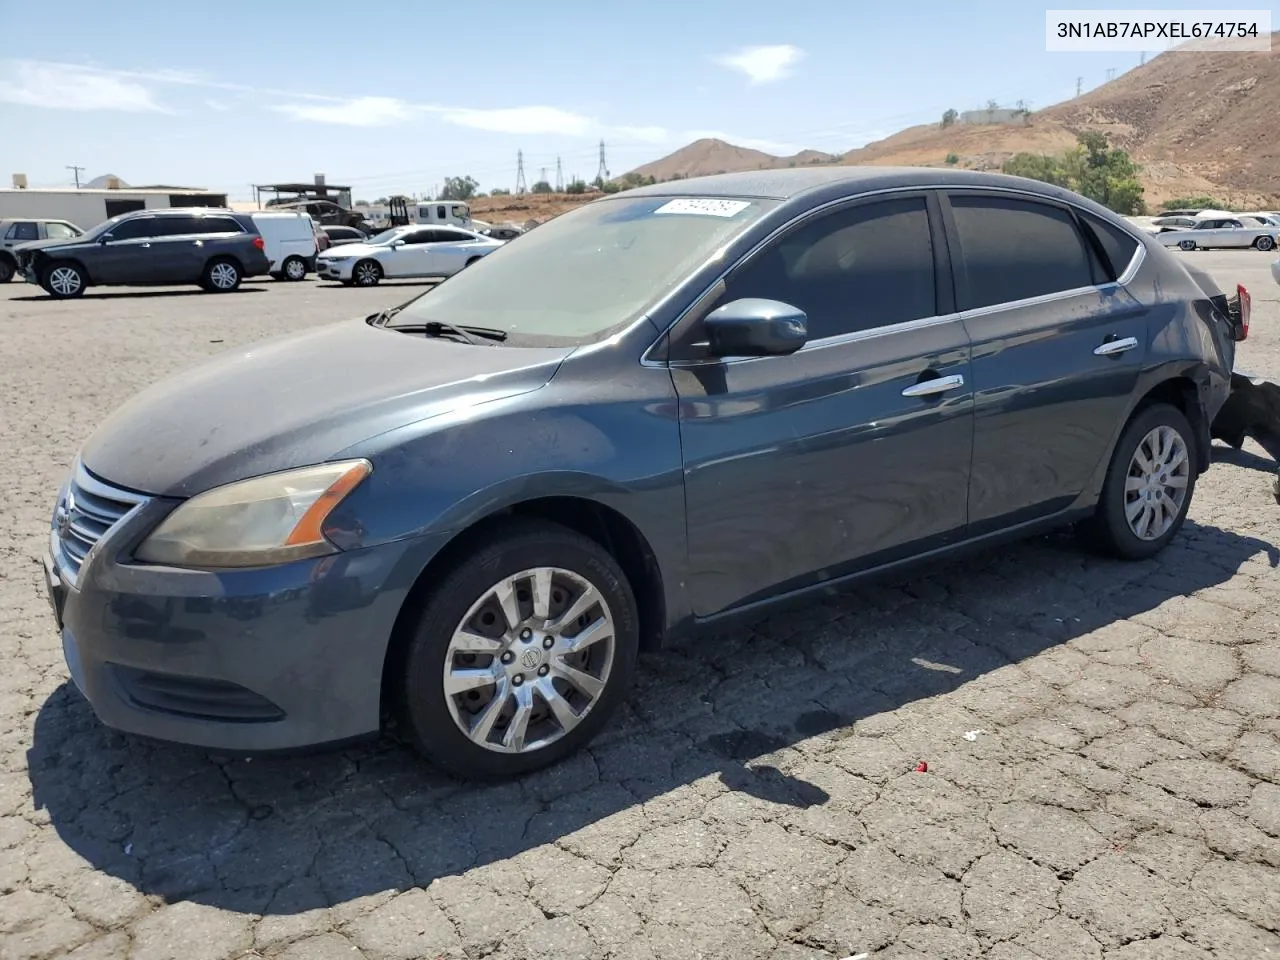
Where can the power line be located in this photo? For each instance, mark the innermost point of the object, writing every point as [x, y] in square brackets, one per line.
[77, 170]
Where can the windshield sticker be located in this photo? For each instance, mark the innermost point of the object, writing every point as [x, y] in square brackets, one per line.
[705, 208]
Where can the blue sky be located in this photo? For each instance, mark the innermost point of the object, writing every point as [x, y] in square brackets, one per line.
[393, 97]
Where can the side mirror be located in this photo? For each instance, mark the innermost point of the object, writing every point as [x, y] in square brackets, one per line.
[397, 243]
[756, 328]
[105, 238]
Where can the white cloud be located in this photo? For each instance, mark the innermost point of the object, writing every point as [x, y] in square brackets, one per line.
[529, 120]
[358, 112]
[763, 64]
[66, 87]
[217, 105]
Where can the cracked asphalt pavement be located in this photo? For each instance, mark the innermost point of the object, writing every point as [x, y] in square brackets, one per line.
[1102, 743]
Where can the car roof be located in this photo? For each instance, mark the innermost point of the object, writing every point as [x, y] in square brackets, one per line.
[180, 211]
[791, 182]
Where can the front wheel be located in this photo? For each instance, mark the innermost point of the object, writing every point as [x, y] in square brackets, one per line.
[7, 270]
[366, 273]
[520, 654]
[221, 276]
[1187, 244]
[63, 280]
[1265, 243]
[1149, 485]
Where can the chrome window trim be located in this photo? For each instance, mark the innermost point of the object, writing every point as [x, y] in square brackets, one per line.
[1130, 271]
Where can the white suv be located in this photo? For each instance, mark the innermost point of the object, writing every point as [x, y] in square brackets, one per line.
[17, 231]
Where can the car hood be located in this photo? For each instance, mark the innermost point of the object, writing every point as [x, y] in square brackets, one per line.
[29, 245]
[298, 400]
[354, 249]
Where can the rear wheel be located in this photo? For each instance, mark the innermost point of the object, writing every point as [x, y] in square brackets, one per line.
[63, 280]
[520, 654]
[1265, 243]
[366, 273]
[7, 269]
[294, 268]
[1149, 485]
[221, 276]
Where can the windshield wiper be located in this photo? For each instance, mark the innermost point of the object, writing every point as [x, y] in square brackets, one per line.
[380, 319]
[438, 328]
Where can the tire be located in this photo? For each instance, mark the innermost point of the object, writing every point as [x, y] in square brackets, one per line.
[1109, 529]
[470, 262]
[7, 269]
[63, 280]
[1264, 243]
[1187, 244]
[465, 597]
[221, 276]
[294, 269]
[366, 273]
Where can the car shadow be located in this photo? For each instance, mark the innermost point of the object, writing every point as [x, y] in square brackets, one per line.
[1243, 458]
[771, 713]
[140, 294]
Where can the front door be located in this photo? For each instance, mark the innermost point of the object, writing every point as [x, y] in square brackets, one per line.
[125, 257]
[412, 257]
[802, 468]
[1057, 348]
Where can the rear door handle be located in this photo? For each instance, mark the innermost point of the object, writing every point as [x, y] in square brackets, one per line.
[927, 388]
[1113, 347]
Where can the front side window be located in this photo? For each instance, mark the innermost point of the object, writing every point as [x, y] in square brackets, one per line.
[863, 267]
[1014, 249]
[60, 231]
[589, 272]
[134, 229]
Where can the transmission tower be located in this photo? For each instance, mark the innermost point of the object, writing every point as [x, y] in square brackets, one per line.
[602, 174]
[559, 177]
[521, 186]
[1079, 84]
[542, 175]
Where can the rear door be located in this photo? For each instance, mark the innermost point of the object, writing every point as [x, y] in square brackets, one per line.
[176, 248]
[1058, 346]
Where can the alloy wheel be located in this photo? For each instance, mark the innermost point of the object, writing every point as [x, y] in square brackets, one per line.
[224, 276]
[65, 281]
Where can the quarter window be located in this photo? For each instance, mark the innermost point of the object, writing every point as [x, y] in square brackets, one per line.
[1118, 245]
[1013, 249]
[866, 266]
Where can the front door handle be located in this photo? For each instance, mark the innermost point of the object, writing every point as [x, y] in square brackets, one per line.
[1113, 347]
[928, 388]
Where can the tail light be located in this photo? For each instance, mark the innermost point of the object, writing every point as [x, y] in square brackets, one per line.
[1240, 307]
[259, 243]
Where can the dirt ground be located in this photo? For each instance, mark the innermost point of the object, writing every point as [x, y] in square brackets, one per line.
[1102, 744]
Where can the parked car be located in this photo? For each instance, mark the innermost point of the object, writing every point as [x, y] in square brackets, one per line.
[1275, 270]
[662, 410]
[1222, 232]
[338, 236]
[290, 238]
[213, 248]
[16, 233]
[404, 252]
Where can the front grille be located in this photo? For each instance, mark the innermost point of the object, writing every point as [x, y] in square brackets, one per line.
[88, 509]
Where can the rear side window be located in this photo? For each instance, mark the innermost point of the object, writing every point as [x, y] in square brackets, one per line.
[175, 226]
[218, 225]
[1119, 245]
[23, 230]
[1013, 249]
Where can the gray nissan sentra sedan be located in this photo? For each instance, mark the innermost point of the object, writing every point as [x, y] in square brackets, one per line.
[666, 408]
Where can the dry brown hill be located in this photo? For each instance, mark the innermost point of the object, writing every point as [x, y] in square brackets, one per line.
[710, 156]
[1198, 123]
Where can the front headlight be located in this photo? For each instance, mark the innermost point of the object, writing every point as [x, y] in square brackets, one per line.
[335, 259]
[270, 519]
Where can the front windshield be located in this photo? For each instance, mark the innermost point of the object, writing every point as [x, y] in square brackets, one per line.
[587, 272]
[386, 236]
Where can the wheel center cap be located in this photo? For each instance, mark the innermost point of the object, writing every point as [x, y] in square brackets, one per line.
[531, 659]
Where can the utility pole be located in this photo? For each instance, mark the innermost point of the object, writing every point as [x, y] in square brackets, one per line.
[520, 184]
[77, 170]
[542, 175]
[1079, 85]
[1111, 74]
[559, 177]
[1143, 59]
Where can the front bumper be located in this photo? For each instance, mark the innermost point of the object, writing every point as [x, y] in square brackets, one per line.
[244, 660]
[328, 270]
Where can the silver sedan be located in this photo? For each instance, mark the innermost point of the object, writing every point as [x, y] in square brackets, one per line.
[1236, 232]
